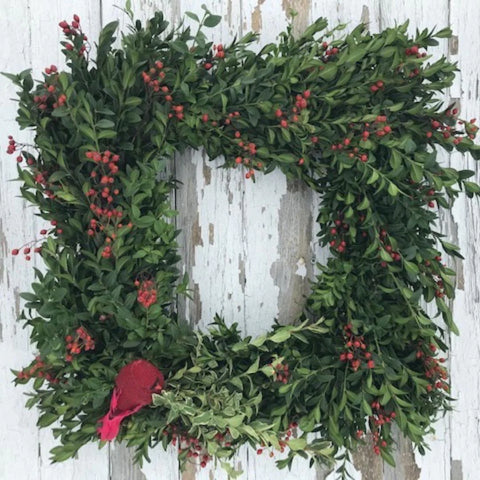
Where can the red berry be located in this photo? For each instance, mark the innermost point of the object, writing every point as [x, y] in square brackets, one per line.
[15, 251]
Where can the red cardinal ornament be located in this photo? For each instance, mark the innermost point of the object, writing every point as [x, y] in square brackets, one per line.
[134, 386]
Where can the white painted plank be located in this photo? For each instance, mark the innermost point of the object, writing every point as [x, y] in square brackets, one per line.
[236, 248]
[465, 358]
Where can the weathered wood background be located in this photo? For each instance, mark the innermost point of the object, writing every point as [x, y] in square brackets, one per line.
[249, 248]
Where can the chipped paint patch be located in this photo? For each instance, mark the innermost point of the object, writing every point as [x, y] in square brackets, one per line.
[302, 9]
[404, 458]
[365, 17]
[453, 45]
[370, 465]
[290, 271]
[195, 306]
[211, 233]
[207, 173]
[257, 17]
[196, 234]
[457, 470]
[242, 280]
[190, 472]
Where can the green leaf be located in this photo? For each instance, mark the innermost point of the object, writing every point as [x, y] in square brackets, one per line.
[280, 336]
[212, 20]
[104, 123]
[393, 189]
[193, 16]
[296, 444]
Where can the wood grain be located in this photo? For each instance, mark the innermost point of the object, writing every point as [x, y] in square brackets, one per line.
[249, 249]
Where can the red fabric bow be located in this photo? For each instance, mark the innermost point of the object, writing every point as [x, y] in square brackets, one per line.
[134, 386]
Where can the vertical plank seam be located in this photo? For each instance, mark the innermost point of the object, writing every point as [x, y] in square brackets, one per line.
[448, 433]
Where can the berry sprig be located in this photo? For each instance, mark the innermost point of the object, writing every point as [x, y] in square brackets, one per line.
[73, 32]
[81, 341]
[147, 292]
[356, 350]
[377, 420]
[38, 369]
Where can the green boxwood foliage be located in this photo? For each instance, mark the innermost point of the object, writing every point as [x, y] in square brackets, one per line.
[359, 120]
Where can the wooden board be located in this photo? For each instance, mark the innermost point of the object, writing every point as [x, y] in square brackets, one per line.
[249, 249]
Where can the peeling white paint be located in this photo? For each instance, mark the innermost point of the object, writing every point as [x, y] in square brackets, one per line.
[236, 237]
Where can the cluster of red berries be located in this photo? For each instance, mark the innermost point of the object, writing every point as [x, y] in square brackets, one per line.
[81, 341]
[355, 349]
[147, 293]
[73, 31]
[283, 441]
[434, 371]
[194, 450]
[37, 370]
[439, 285]
[219, 51]
[448, 132]
[396, 256]
[281, 372]
[154, 78]
[379, 127]
[379, 418]
[12, 146]
[329, 52]
[177, 112]
[40, 177]
[51, 97]
[378, 85]
[415, 51]
[27, 250]
[102, 195]
[301, 103]
[338, 234]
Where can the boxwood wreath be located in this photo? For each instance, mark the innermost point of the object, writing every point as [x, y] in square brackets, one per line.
[358, 119]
